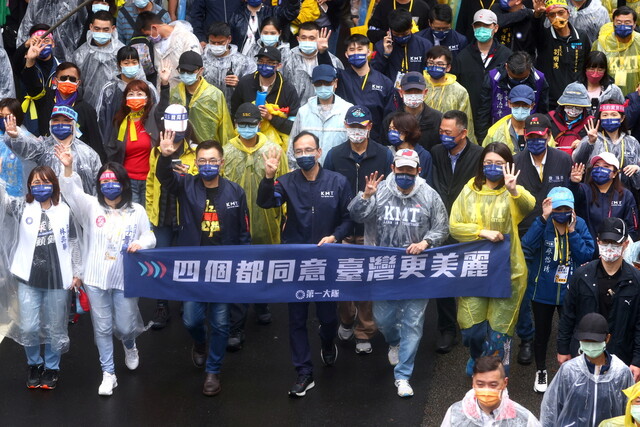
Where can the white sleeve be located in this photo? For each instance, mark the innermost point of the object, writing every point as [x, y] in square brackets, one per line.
[80, 202]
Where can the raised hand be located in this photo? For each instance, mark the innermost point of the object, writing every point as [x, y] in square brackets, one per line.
[164, 73]
[539, 7]
[35, 49]
[388, 43]
[371, 184]
[510, 178]
[166, 143]
[66, 158]
[577, 170]
[323, 40]
[271, 162]
[546, 208]
[592, 130]
[10, 126]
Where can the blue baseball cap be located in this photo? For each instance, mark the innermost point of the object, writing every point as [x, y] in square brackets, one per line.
[63, 110]
[323, 73]
[561, 196]
[358, 115]
[522, 93]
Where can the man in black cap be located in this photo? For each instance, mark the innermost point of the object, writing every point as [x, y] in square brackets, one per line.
[267, 86]
[608, 286]
[205, 103]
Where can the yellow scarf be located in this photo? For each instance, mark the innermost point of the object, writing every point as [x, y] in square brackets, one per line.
[133, 135]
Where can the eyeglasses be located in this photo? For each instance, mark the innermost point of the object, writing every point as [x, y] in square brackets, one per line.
[306, 151]
[202, 162]
[489, 163]
[437, 64]
[72, 79]
[264, 62]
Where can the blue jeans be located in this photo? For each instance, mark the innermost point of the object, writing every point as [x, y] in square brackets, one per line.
[43, 310]
[524, 327]
[299, 338]
[401, 324]
[139, 191]
[109, 307]
[218, 316]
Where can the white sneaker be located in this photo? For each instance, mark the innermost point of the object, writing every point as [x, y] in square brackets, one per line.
[131, 358]
[344, 333]
[109, 382]
[404, 389]
[393, 354]
[540, 384]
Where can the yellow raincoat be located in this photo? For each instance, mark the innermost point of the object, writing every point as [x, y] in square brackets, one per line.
[623, 58]
[612, 5]
[273, 134]
[496, 210]
[625, 420]
[245, 166]
[449, 95]
[208, 112]
[500, 132]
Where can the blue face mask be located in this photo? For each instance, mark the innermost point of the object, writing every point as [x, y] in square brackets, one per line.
[324, 92]
[254, 3]
[435, 72]
[2, 126]
[308, 47]
[101, 38]
[248, 131]
[520, 113]
[98, 7]
[269, 39]
[402, 40]
[483, 34]
[493, 173]
[131, 71]
[188, 78]
[179, 136]
[405, 181]
[306, 162]
[393, 136]
[623, 31]
[600, 175]
[611, 125]
[449, 142]
[266, 70]
[44, 54]
[358, 60]
[208, 172]
[61, 131]
[536, 145]
[561, 217]
[42, 192]
[111, 190]
[440, 35]
[141, 4]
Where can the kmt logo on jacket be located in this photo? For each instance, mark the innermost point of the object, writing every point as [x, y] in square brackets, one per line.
[326, 194]
[153, 268]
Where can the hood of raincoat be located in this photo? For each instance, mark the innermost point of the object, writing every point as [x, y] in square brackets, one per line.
[607, 38]
[449, 79]
[632, 394]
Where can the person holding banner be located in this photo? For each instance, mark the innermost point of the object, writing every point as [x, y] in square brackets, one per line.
[317, 213]
[405, 213]
[213, 211]
[113, 225]
[488, 207]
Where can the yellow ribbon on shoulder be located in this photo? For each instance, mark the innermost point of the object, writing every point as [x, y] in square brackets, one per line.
[133, 134]
[29, 105]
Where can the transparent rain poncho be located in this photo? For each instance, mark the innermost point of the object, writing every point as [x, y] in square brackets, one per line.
[49, 12]
[298, 72]
[34, 302]
[485, 209]
[98, 65]
[576, 397]
[216, 69]
[7, 87]
[245, 166]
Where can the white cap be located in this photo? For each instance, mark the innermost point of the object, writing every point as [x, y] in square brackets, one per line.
[406, 157]
[609, 158]
[176, 118]
[485, 16]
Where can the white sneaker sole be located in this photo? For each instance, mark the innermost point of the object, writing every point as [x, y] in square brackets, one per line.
[303, 392]
[107, 392]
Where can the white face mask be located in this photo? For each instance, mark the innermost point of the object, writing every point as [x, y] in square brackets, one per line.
[413, 100]
[357, 135]
[610, 252]
[217, 50]
[572, 112]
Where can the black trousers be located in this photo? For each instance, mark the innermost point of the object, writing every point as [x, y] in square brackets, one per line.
[543, 318]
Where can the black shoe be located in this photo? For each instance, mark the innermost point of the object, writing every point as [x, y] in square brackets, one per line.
[236, 339]
[49, 379]
[199, 355]
[34, 373]
[303, 383]
[264, 317]
[211, 385]
[161, 317]
[445, 342]
[525, 355]
[329, 354]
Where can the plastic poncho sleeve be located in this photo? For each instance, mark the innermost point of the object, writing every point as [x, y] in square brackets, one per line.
[13, 206]
[553, 400]
[80, 202]
[363, 210]
[26, 146]
[7, 88]
[583, 151]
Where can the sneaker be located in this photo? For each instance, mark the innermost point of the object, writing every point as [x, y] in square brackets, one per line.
[540, 384]
[235, 341]
[34, 372]
[404, 389]
[161, 317]
[329, 354]
[131, 358]
[363, 346]
[303, 383]
[49, 379]
[109, 382]
[393, 355]
[345, 333]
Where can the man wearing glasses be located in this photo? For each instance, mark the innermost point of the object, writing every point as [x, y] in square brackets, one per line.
[317, 201]
[213, 211]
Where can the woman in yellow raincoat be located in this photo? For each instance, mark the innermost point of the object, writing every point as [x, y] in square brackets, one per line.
[488, 207]
[631, 417]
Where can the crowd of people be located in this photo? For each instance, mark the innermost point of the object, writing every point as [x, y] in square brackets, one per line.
[396, 123]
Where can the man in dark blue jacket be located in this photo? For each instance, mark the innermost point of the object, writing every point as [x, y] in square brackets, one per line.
[213, 211]
[203, 13]
[317, 201]
[440, 32]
